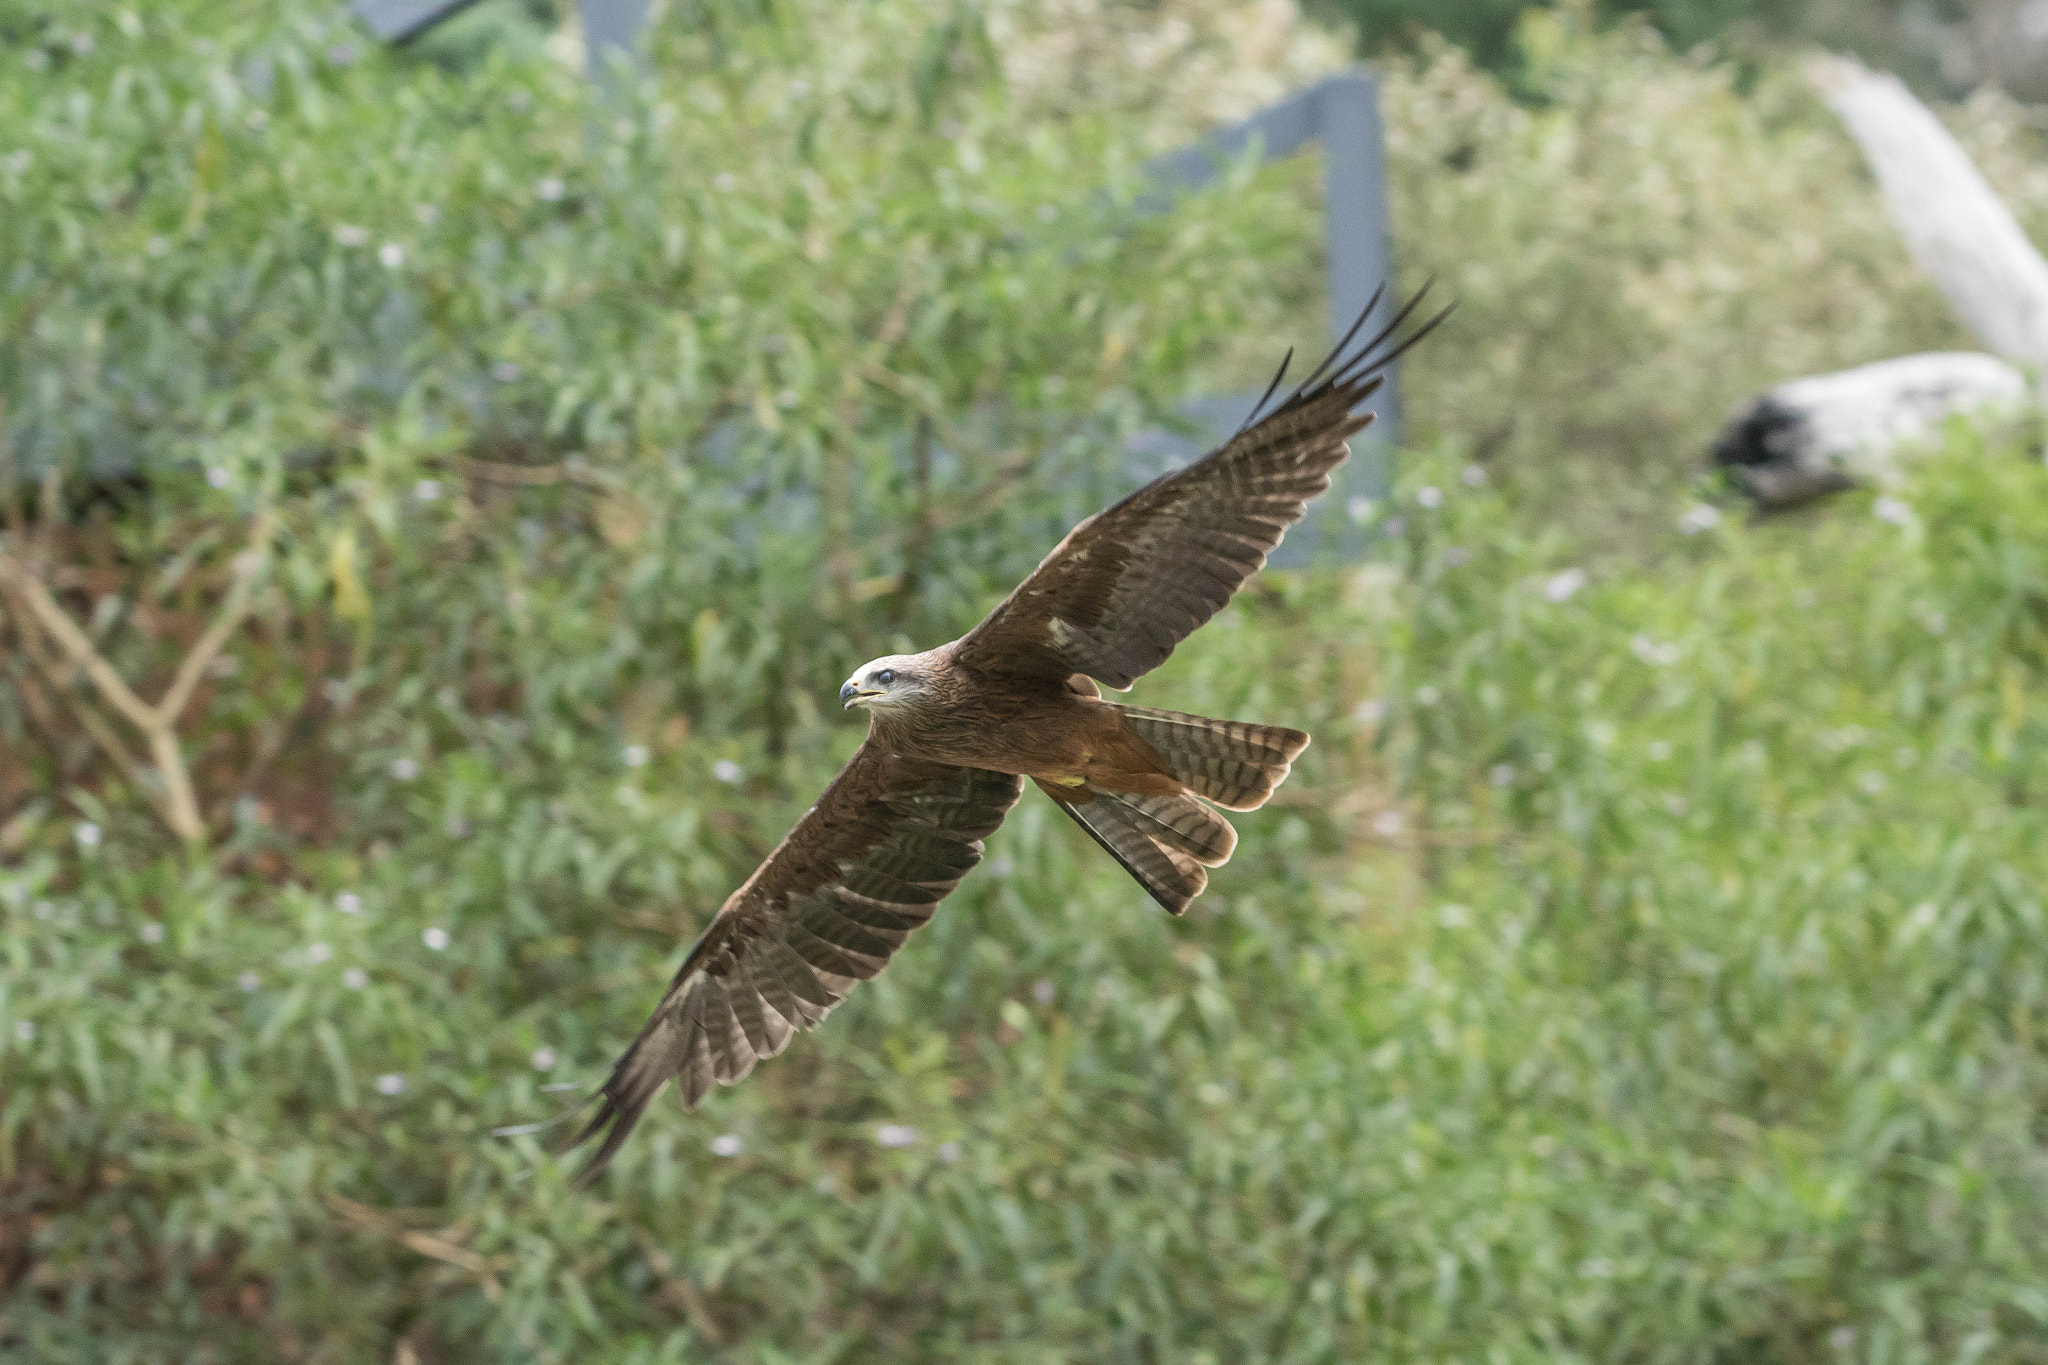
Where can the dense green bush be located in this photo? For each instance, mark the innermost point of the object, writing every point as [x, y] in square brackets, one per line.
[1644, 962]
[1643, 966]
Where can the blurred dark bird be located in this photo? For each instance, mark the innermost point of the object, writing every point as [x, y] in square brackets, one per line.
[1810, 437]
[954, 731]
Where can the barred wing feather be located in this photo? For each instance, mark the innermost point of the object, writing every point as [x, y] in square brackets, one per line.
[866, 865]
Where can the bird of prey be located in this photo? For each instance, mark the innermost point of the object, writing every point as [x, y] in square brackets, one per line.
[954, 731]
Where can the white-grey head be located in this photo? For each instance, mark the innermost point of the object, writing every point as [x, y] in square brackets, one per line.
[884, 684]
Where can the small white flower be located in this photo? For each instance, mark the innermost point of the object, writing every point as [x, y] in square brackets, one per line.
[548, 191]
[435, 938]
[248, 982]
[391, 1084]
[87, 834]
[725, 182]
[1001, 867]
[391, 255]
[727, 1144]
[1892, 510]
[349, 903]
[1842, 1338]
[1501, 775]
[405, 769]
[1697, 518]
[725, 770]
[1043, 992]
[1361, 510]
[1429, 497]
[1473, 475]
[427, 490]
[1387, 824]
[895, 1134]
[1561, 586]
[949, 1151]
[355, 978]
[1427, 696]
[350, 235]
[317, 953]
[1371, 711]
[1658, 751]
[25, 1030]
[152, 932]
[506, 372]
[634, 755]
[543, 1059]
[1650, 652]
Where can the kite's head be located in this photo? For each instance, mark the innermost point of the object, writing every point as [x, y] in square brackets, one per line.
[892, 681]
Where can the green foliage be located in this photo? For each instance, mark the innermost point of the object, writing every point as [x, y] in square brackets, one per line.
[1892, 32]
[1650, 961]
[1631, 259]
[1644, 962]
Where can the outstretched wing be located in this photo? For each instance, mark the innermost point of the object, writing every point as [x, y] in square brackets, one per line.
[866, 865]
[1128, 584]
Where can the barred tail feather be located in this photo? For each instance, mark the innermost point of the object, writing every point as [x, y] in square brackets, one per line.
[1233, 763]
[1170, 875]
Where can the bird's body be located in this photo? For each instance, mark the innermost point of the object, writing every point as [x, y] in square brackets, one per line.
[954, 731]
[1053, 731]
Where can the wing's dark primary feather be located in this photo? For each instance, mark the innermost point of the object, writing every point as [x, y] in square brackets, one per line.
[1130, 583]
[866, 865]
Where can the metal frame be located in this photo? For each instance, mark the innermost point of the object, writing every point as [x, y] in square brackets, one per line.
[609, 26]
[1342, 112]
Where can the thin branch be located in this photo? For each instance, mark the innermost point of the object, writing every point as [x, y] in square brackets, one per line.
[233, 611]
[178, 805]
[436, 1246]
[57, 623]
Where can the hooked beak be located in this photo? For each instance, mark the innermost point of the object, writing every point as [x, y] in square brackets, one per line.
[851, 692]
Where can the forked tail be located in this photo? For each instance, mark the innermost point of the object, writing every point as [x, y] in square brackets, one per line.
[1168, 842]
[1234, 763]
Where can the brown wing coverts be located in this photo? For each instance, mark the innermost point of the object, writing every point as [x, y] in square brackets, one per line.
[1128, 584]
[869, 863]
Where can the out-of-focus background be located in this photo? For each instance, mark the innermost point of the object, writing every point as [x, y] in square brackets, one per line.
[443, 491]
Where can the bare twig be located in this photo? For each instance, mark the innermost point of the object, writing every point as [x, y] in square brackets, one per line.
[532, 475]
[35, 609]
[433, 1245]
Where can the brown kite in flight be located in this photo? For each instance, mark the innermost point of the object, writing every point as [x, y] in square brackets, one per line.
[954, 731]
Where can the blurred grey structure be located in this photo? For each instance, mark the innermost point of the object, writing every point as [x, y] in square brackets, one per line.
[1833, 431]
[1958, 229]
[1828, 432]
[1342, 113]
[609, 26]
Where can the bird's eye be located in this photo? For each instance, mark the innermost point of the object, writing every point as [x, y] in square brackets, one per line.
[886, 676]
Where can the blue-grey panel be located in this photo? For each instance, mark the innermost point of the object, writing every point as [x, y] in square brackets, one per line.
[1278, 131]
[610, 29]
[401, 21]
